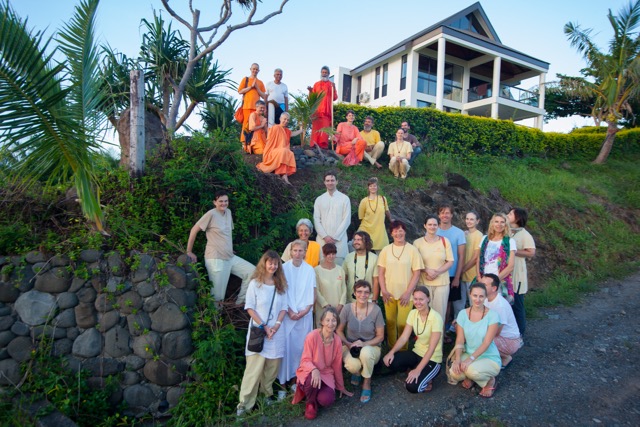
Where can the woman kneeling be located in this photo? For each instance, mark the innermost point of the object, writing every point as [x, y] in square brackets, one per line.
[364, 327]
[424, 361]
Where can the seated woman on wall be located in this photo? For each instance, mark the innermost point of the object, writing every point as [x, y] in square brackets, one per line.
[331, 289]
[278, 157]
[348, 138]
[476, 358]
[258, 126]
[361, 331]
[425, 358]
[320, 371]
[304, 228]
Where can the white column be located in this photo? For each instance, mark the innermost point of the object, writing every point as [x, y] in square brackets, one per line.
[136, 130]
[539, 121]
[466, 79]
[497, 62]
[442, 43]
[412, 78]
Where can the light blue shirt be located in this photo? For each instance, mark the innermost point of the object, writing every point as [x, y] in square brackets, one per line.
[456, 237]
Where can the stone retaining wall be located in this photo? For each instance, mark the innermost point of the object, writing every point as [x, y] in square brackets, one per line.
[104, 317]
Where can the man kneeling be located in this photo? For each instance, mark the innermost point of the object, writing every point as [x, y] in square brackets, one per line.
[508, 338]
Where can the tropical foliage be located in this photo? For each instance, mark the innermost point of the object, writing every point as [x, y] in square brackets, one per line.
[303, 110]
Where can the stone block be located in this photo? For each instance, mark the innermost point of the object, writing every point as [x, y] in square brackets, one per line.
[86, 316]
[137, 323]
[35, 257]
[108, 320]
[116, 265]
[86, 295]
[147, 345]
[9, 372]
[152, 303]
[6, 337]
[116, 342]
[176, 275]
[165, 372]
[20, 349]
[6, 322]
[133, 362]
[5, 310]
[62, 347]
[138, 397]
[130, 378]
[34, 307]
[117, 285]
[41, 331]
[8, 292]
[145, 289]
[177, 344]
[90, 255]
[76, 284]
[173, 395]
[66, 319]
[40, 267]
[168, 318]
[73, 333]
[67, 300]
[102, 366]
[104, 302]
[130, 302]
[88, 344]
[144, 270]
[21, 329]
[54, 281]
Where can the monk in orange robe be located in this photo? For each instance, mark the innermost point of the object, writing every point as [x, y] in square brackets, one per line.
[323, 116]
[258, 125]
[348, 138]
[253, 90]
[278, 157]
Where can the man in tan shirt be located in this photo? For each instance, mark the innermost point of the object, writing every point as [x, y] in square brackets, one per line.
[375, 147]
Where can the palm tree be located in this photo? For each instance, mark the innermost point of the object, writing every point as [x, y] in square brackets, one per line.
[303, 110]
[616, 74]
[49, 110]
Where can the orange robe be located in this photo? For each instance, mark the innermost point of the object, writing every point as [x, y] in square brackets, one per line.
[347, 134]
[249, 101]
[278, 158]
[322, 117]
[259, 139]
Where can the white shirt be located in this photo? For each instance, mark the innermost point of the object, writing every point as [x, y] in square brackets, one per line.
[277, 92]
[505, 313]
[332, 217]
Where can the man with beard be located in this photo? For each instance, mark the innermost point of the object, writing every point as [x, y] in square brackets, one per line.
[375, 147]
[324, 113]
[362, 264]
[417, 147]
[332, 216]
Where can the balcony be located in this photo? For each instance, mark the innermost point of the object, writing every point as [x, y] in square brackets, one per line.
[485, 90]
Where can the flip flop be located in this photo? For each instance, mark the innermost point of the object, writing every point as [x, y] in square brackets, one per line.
[491, 389]
[509, 360]
[365, 397]
[355, 379]
[468, 384]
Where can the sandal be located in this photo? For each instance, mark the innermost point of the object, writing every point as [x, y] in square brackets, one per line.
[355, 379]
[508, 362]
[365, 397]
[468, 384]
[490, 390]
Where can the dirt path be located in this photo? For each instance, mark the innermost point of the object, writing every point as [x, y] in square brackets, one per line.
[579, 367]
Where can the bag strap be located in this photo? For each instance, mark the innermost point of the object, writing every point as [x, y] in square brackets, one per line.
[270, 306]
[246, 82]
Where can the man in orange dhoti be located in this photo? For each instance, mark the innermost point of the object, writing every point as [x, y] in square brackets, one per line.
[348, 138]
[253, 90]
[323, 116]
[278, 157]
[258, 125]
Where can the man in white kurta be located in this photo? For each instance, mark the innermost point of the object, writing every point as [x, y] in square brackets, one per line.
[301, 284]
[332, 217]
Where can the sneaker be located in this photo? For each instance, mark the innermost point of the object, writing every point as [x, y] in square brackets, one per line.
[282, 395]
[240, 412]
[271, 400]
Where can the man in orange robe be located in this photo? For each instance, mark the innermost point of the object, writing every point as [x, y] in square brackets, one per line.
[258, 125]
[348, 138]
[278, 157]
[323, 115]
[253, 90]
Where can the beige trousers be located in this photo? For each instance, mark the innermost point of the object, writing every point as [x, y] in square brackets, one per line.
[260, 372]
[399, 167]
[375, 154]
[480, 371]
[363, 365]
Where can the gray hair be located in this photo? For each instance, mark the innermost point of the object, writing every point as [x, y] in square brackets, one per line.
[278, 69]
[299, 242]
[304, 221]
[288, 115]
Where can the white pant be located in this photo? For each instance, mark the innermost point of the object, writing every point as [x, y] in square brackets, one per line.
[399, 167]
[219, 271]
[375, 154]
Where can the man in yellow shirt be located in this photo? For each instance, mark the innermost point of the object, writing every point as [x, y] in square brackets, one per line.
[375, 147]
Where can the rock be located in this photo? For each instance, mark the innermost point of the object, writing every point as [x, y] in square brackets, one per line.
[86, 295]
[54, 281]
[88, 344]
[9, 372]
[309, 153]
[67, 300]
[116, 342]
[144, 270]
[139, 397]
[4, 310]
[97, 284]
[147, 345]
[152, 303]
[130, 378]
[35, 257]
[65, 319]
[6, 337]
[138, 323]
[34, 307]
[116, 265]
[62, 347]
[6, 322]
[8, 292]
[73, 333]
[20, 349]
[129, 302]
[177, 296]
[59, 261]
[457, 180]
[177, 276]
[85, 315]
[177, 344]
[20, 329]
[76, 284]
[90, 255]
[173, 395]
[134, 362]
[40, 267]
[108, 320]
[168, 318]
[165, 372]
[104, 302]
[102, 366]
[38, 332]
[145, 289]
[116, 285]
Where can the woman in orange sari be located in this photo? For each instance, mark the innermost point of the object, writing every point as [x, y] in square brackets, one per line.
[252, 90]
[348, 138]
[278, 157]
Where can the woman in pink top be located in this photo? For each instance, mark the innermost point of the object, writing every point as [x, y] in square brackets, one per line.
[320, 371]
[348, 138]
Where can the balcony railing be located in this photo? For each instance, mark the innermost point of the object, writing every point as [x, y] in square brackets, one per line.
[485, 90]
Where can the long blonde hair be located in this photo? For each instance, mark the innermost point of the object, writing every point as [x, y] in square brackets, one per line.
[492, 233]
[260, 274]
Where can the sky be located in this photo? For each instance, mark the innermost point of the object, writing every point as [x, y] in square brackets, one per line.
[310, 34]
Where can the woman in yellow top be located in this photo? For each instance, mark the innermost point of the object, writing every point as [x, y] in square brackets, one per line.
[372, 212]
[437, 257]
[331, 288]
[425, 358]
[304, 228]
[473, 237]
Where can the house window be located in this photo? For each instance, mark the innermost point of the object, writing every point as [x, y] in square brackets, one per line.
[359, 89]
[470, 23]
[376, 92]
[423, 104]
[427, 76]
[403, 103]
[346, 88]
[385, 78]
[403, 73]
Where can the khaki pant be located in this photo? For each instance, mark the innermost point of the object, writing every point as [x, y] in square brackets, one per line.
[396, 315]
[219, 271]
[375, 154]
[480, 371]
[260, 372]
[399, 167]
[363, 365]
[439, 299]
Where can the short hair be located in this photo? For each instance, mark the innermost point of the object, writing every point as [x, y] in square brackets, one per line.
[256, 64]
[369, 118]
[445, 205]
[423, 289]
[278, 69]
[397, 224]
[368, 243]
[324, 67]
[219, 194]
[305, 221]
[521, 216]
[495, 280]
[350, 112]
[331, 310]
[260, 103]
[284, 114]
[479, 286]
[330, 173]
[361, 284]
[329, 248]
[431, 216]
[299, 242]
[407, 122]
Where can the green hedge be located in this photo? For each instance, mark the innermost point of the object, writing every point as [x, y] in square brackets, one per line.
[472, 136]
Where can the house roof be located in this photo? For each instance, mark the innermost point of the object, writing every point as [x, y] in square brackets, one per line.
[492, 41]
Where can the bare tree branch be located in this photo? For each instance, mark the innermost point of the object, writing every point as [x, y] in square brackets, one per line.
[177, 17]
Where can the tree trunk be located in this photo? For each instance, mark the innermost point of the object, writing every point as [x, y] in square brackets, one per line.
[612, 129]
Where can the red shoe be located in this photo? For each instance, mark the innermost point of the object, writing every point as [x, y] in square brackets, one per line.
[310, 411]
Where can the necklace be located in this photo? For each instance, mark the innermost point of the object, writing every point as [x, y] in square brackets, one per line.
[328, 340]
[365, 314]
[371, 207]
[399, 256]
[418, 331]
[355, 265]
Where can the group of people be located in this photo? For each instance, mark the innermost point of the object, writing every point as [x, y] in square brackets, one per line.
[265, 120]
[447, 281]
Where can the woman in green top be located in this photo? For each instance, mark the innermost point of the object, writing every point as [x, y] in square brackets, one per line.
[425, 358]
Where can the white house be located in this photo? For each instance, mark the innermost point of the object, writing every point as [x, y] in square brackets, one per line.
[456, 65]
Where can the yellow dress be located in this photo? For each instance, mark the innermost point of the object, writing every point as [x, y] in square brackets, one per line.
[372, 215]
